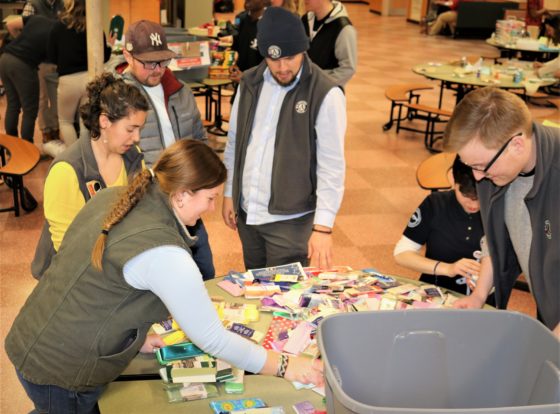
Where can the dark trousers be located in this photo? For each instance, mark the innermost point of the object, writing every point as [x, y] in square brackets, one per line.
[50, 399]
[21, 83]
[202, 254]
[274, 244]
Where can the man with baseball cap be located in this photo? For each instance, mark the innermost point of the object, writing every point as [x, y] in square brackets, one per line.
[173, 113]
[285, 151]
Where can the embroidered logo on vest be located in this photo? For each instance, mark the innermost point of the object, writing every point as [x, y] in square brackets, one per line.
[301, 107]
[156, 39]
[415, 219]
[274, 52]
[548, 229]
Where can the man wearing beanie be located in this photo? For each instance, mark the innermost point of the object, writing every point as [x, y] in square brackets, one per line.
[173, 113]
[285, 152]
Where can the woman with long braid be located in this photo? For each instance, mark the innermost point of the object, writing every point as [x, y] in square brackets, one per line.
[124, 264]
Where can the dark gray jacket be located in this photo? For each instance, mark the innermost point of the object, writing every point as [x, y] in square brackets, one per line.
[543, 203]
[80, 156]
[183, 114]
[295, 152]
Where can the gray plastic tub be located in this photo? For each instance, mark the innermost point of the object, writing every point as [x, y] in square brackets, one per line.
[439, 361]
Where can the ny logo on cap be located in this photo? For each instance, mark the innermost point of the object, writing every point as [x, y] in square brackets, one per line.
[274, 52]
[156, 39]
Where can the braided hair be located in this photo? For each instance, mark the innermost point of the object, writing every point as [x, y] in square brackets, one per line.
[187, 165]
[111, 97]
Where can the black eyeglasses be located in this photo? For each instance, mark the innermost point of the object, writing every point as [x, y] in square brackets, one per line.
[152, 65]
[495, 158]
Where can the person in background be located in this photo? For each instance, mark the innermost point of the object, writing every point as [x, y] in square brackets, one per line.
[333, 39]
[435, 8]
[448, 18]
[295, 6]
[551, 68]
[69, 34]
[448, 224]
[48, 117]
[113, 114]
[124, 264]
[517, 165]
[18, 69]
[172, 114]
[245, 39]
[535, 12]
[285, 151]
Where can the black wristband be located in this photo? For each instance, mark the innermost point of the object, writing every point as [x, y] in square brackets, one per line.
[322, 231]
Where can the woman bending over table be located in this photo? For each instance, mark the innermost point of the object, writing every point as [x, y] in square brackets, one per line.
[124, 264]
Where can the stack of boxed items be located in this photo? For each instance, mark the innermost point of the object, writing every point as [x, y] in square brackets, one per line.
[222, 60]
[508, 31]
[190, 374]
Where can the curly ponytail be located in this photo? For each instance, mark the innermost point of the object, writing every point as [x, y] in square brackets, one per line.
[130, 197]
[111, 97]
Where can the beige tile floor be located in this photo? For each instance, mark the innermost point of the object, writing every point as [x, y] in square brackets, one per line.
[381, 189]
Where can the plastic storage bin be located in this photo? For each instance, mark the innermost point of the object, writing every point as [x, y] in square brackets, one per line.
[439, 361]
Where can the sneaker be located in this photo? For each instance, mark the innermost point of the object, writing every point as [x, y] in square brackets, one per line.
[53, 148]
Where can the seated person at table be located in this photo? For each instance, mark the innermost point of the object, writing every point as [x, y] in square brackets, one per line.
[124, 264]
[448, 18]
[448, 224]
[172, 111]
[113, 114]
[551, 68]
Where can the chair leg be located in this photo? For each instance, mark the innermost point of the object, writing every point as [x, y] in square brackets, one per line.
[389, 124]
[399, 118]
[15, 190]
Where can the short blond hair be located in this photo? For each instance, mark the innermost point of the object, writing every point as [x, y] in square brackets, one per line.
[491, 114]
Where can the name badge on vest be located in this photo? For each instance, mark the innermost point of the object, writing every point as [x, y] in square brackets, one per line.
[93, 187]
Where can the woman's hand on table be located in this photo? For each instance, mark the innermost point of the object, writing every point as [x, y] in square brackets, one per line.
[305, 370]
[152, 343]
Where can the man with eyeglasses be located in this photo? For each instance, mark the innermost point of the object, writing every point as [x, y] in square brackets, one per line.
[517, 165]
[173, 113]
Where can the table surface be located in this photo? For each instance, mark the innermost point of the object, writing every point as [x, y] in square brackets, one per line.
[493, 42]
[452, 72]
[148, 397]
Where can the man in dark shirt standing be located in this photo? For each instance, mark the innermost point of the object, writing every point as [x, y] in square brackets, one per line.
[48, 78]
[245, 40]
[18, 70]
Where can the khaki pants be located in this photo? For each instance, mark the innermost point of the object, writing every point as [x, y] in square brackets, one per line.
[448, 18]
[71, 89]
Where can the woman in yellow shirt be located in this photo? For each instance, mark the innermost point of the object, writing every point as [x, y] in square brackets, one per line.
[114, 114]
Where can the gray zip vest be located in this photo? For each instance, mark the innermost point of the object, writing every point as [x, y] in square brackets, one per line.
[80, 156]
[295, 153]
[80, 328]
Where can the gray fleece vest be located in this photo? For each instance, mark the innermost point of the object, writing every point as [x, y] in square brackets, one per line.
[294, 169]
[80, 156]
[80, 327]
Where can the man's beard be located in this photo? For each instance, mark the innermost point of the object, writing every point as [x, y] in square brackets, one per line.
[281, 83]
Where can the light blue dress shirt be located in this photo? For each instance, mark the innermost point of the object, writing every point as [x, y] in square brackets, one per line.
[257, 174]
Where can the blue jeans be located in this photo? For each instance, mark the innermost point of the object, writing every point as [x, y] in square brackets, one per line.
[202, 254]
[50, 399]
